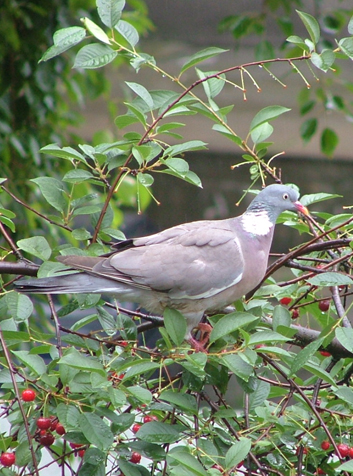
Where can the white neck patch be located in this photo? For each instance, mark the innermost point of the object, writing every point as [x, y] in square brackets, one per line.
[257, 223]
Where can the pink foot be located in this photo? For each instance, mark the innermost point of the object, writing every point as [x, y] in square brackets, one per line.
[200, 345]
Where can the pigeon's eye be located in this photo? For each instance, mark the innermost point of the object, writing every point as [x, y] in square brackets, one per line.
[285, 196]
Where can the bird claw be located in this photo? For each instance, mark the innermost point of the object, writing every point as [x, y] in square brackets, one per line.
[201, 344]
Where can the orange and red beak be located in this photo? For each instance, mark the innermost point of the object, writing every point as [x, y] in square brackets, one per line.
[301, 208]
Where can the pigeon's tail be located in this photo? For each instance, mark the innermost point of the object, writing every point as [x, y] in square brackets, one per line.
[75, 283]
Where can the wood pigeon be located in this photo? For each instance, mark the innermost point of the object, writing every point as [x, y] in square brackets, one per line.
[196, 267]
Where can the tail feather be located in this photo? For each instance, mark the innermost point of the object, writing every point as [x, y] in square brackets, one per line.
[71, 283]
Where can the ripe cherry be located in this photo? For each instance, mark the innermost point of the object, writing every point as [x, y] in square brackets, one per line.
[44, 423]
[285, 301]
[60, 429]
[343, 449]
[324, 305]
[148, 418]
[325, 445]
[320, 471]
[28, 395]
[7, 459]
[295, 314]
[74, 446]
[47, 439]
[350, 453]
[135, 457]
[325, 353]
[81, 453]
[135, 428]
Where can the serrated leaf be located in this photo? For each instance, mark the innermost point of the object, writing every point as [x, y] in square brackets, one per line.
[319, 197]
[175, 324]
[36, 246]
[181, 400]
[139, 368]
[64, 153]
[329, 141]
[184, 147]
[345, 337]
[311, 24]
[34, 362]
[94, 56]
[158, 432]
[261, 132]
[267, 336]
[225, 132]
[230, 323]
[19, 306]
[238, 366]
[347, 466]
[281, 317]
[324, 60]
[96, 430]
[142, 92]
[259, 395]
[237, 452]
[296, 40]
[68, 415]
[109, 11]
[80, 361]
[201, 56]
[52, 190]
[304, 355]
[141, 394]
[64, 39]
[346, 45]
[107, 321]
[128, 32]
[187, 464]
[330, 278]
[96, 31]
[77, 176]
[267, 114]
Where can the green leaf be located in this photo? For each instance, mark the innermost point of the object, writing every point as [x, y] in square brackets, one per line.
[184, 147]
[345, 337]
[281, 317]
[139, 368]
[261, 132]
[96, 430]
[19, 308]
[311, 24]
[238, 366]
[183, 401]
[64, 39]
[128, 32]
[319, 197]
[296, 40]
[52, 190]
[346, 45]
[324, 60]
[230, 323]
[141, 394]
[94, 56]
[34, 362]
[347, 466]
[350, 26]
[237, 452]
[158, 432]
[329, 141]
[201, 56]
[260, 393]
[345, 394]
[330, 278]
[142, 92]
[36, 246]
[77, 176]
[304, 355]
[96, 31]
[225, 132]
[267, 114]
[267, 336]
[308, 129]
[175, 324]
[64, 153]
[80, 361]
[109, 11]
[187, 464]
[212, 86]
[107, 321]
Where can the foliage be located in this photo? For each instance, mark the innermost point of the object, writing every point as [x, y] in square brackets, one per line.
[331, 93]
[116, 392]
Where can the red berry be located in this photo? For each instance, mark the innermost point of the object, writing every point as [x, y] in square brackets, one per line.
[135, 457]
[325, 445]
[136, 427]
[47, 439]
[28, 395]
[60, 429]
[123, 343]
[258, 346]
[350, 453]
[44, 423]
[320, 471]
[285, 301]
[324, 305]
[305, 450]
[295, 314]
[343, 449]
[147, 419]
[81, 453]
[325, 353]
[7, 459]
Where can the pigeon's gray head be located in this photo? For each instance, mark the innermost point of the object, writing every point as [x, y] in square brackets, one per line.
[275, 199]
